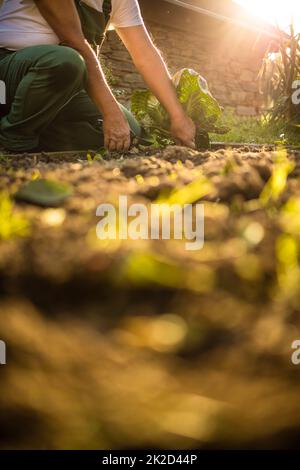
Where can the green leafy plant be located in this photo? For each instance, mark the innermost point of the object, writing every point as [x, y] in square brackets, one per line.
[277, 75]
[197, 101]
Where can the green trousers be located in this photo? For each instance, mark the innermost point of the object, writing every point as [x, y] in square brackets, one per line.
[47, 107]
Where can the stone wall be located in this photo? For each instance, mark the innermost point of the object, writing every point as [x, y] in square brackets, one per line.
[232, 77]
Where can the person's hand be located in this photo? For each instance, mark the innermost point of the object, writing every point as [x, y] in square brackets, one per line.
[116, 132]
[184, 131]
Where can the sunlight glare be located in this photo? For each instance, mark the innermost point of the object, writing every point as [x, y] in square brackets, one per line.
[274, 11]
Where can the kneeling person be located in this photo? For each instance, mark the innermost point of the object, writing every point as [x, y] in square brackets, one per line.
[57, 95]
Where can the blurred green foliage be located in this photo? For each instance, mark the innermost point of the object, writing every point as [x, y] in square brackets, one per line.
[12, 224]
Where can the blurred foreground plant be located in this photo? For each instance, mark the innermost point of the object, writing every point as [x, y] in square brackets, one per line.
[277, 183]
[11, 224]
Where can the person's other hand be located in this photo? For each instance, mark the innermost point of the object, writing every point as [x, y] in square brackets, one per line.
[184, 131]
[116, 132]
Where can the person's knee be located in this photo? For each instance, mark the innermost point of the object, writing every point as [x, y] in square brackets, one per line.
[70, 64]
[66, 66]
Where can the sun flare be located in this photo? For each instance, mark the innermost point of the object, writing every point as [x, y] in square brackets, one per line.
[274, 11]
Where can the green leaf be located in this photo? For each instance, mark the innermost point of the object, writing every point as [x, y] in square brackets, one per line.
[44, 192]
[198, 102]
[139, 103]
[144, 105]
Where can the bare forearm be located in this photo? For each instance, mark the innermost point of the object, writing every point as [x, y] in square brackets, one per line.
[155, 73]
[115, 127]
[151, 66]
[97, 86]
[157, 77]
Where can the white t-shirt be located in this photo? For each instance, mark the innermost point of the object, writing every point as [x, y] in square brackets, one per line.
[22, 25]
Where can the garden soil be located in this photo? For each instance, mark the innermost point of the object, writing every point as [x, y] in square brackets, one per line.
[135, 344]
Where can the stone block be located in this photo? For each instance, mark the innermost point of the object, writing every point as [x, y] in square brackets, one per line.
[246, 111]
[247, 76]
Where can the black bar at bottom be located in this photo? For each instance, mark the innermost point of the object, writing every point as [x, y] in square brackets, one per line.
[135, 458]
